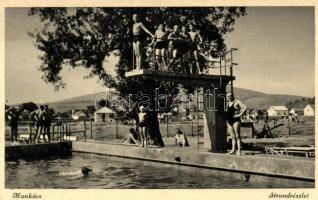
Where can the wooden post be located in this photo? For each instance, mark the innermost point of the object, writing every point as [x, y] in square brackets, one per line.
[289, 128]
[63, 131]
[30, 133]
[60, 131]
[69, 131]
[53, 132]
[167, 123]
[197, 116]
[85, 129]
[91, 121]
[116, 122]
[192, 128]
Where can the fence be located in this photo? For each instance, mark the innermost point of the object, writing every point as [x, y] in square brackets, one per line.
[87, 129]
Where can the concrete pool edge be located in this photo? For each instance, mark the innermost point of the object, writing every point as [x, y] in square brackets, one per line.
[279, 167]
[37, 151]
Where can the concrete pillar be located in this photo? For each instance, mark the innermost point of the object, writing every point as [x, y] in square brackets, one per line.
[215, 135]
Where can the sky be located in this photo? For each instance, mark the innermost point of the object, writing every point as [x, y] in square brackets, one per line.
[275, 56]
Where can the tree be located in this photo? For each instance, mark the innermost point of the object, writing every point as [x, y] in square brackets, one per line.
[86, 37]
[29, 106]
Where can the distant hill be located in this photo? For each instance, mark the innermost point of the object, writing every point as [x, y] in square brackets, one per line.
[252, 99]
[260, 100]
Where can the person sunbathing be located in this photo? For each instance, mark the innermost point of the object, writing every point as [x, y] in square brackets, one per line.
[131, 137]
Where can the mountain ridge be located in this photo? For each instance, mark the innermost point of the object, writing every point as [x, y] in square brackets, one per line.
[253, 99]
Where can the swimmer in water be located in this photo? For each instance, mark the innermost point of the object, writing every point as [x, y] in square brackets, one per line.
[83, 172]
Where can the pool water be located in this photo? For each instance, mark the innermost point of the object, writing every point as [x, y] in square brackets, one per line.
[110, 172]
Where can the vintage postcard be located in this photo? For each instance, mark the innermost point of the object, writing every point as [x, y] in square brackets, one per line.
[127, 100]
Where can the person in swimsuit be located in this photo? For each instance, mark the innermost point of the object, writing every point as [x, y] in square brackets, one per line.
[13, 115]
[186, 45]
[175, 44]
[181, 139]
[79, 173]
[196, 39]
[48, 117]
[131, 137]
[137, 39]
[235, 109]
[38, 117]
[142, 115]
[160, 46]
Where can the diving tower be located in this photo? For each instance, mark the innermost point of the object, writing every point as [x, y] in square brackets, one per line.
[214, 102]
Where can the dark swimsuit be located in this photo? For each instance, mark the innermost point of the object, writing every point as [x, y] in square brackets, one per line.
[142, 124]
[161, 45]
[137, 38]
[231, 111]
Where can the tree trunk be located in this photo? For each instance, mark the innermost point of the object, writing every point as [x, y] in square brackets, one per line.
[154, 130]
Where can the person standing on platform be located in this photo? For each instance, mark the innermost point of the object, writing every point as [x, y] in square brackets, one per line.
[38, 117]
[160, 40]
[13, 115]
[196, 39]
[235, 109]
[48, 117]
[138, 39]
[175, 44]
[186, 46]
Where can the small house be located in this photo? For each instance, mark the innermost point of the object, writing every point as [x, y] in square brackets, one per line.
[277, 111]
[297, 111]
[78, 115]
[104, 115]
[309, 110]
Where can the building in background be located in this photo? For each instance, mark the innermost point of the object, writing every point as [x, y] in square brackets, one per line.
[309, 110]
[78, 115]
[297, 111]
[104, 115]
[277, 111]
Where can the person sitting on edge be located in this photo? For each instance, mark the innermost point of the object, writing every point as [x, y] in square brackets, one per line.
[142, 115]
[235, 109]
[180, 139]
[131, 137]
[196, 39]
[138, 39]
[160, 41]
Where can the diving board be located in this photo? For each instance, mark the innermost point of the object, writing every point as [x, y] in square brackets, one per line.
[200, 80]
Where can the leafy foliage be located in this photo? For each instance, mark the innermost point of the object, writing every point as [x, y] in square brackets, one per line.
[86, 37]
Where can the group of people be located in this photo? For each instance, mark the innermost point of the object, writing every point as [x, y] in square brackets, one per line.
[139, 134]
[167, 46]
[235, 109]
[42, 118]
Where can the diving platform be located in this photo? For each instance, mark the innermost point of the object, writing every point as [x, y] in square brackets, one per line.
[200, 80]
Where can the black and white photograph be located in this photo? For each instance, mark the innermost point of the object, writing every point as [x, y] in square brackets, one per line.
[174, 97]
